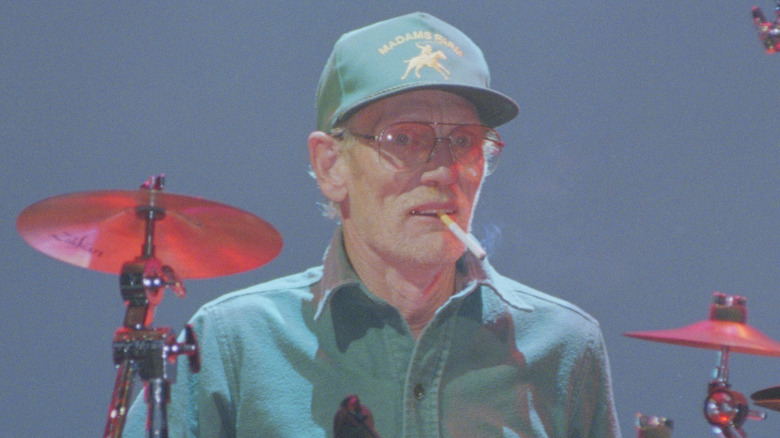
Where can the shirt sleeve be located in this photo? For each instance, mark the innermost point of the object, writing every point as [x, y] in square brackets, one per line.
[594, 415]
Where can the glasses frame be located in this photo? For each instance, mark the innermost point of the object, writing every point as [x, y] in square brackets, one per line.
[491, 160]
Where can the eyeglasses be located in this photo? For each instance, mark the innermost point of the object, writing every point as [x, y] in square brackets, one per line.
[407, 146]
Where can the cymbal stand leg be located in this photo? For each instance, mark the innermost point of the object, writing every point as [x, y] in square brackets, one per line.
[157, 396]
[118, 409]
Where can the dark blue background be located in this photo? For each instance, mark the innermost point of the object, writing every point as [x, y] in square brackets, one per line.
[640, 177]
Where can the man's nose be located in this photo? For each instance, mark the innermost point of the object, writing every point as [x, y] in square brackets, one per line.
[440, 168]
[442, 151]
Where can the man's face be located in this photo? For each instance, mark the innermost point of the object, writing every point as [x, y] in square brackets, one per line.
[393, 215]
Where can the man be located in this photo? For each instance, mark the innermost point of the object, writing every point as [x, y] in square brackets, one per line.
[427, 335]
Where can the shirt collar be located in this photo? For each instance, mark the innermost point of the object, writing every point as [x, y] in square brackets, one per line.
[337, 272]
[471, 272]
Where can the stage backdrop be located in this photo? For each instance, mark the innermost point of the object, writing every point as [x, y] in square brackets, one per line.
[640, 177]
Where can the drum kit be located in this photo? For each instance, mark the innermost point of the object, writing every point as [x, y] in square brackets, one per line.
[153, 240]
[727, 331]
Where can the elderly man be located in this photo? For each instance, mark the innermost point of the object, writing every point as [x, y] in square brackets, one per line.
[427, 335]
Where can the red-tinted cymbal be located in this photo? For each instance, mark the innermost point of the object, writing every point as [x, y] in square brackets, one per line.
[737, 336]
[767, 398]
[101, 230]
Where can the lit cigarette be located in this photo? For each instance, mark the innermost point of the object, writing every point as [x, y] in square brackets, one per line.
[467, 239]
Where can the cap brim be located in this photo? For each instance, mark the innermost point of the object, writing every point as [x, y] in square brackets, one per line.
[493, 108]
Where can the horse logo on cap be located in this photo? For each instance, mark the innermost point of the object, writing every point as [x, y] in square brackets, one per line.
[426, 58]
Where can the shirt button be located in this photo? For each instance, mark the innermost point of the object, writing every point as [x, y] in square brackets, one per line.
[419, 391]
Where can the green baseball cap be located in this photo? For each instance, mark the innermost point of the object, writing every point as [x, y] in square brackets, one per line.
[405, 53]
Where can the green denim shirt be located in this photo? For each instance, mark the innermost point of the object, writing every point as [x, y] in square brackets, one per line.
[499, 359]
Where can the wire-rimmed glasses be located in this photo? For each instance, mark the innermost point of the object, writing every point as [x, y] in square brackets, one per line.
[407, 146]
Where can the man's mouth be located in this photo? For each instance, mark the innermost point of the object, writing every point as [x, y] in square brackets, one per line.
[433, 212]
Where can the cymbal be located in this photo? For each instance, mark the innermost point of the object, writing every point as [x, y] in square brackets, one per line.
[101, 230]
[713, 334]
[767, 398]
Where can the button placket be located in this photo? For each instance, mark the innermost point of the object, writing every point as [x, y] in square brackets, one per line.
[425, 370]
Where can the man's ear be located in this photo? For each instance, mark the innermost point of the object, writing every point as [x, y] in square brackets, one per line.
[328, 165]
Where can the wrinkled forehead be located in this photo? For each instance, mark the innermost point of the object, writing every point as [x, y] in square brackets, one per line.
[419, 106]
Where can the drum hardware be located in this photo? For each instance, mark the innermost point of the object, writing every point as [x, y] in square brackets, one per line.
[768, 31]
[354, 420]
[198, 238]
[727, 331]
[767, 398]
[724, 408]
[138, 348]
[653, 427]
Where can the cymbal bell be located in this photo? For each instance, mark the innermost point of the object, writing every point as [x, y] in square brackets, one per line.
[102, 230]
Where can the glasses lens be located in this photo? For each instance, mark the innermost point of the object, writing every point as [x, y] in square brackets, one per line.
[406, 146]
[466, 143]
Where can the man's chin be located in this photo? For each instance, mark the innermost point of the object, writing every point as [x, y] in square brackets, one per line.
[435, 250]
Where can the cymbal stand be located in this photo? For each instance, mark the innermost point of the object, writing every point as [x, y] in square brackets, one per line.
[725, 409]
[138, 348]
